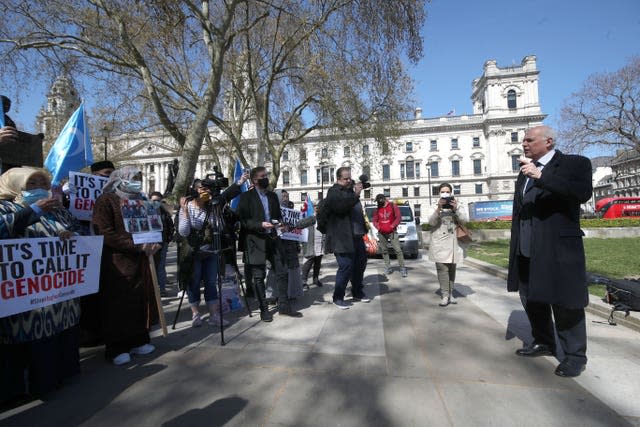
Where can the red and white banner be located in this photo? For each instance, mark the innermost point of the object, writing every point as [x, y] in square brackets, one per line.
[42, 271]
[290, 218]
[87, 189]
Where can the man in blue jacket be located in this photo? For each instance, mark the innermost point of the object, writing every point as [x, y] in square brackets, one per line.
[345, 229]
[546, 260]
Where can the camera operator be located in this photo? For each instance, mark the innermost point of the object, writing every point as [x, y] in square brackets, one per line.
[345, 229]
[199, 217]
[444, 249]
[259, 212]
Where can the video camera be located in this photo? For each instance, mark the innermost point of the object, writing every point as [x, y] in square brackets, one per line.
[213, 183]
[364, 180]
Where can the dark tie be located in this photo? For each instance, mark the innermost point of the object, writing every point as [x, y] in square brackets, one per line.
[530, 180]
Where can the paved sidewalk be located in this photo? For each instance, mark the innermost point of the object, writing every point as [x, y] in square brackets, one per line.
[398, 361]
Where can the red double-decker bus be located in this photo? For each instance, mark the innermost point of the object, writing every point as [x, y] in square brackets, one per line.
[618, 207]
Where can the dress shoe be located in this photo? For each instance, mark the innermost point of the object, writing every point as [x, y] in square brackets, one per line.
[535, 350]
[290, 313]
[569, 369]
[265, 316]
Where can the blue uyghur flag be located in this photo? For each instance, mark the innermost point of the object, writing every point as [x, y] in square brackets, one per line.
[72, 149]
[310, 210]
[237, 173]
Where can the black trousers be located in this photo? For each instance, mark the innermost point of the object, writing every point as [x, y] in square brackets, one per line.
[314, 262]
[570, 324]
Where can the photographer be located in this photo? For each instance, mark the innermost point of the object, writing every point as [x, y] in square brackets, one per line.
[199, 218]
[345, 229]
[443, 247]
[386, 220]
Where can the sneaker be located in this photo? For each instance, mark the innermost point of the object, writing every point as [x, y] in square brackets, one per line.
[362, 298]
[143, 349]
[196, 321]
[404, 271]
[215, 321]
[452, 299]
[340, 304]
[121, 359]
[444, 301]
[388, 270]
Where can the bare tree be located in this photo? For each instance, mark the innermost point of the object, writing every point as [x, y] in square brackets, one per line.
[165, 56]
[605, 112]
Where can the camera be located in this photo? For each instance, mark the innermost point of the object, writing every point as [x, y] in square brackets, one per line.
[364, 179]
[447, 202]
[215, 181]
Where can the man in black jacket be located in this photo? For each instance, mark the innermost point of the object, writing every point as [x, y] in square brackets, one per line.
[258, 209]
[345, 229]
[546, 260]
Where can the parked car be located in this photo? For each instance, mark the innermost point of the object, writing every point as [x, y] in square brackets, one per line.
[407, 231]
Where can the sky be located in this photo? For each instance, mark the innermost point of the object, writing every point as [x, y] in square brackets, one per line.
[571, 39]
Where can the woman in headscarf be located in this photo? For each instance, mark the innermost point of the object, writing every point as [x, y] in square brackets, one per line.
[38, 348]
[126, 288]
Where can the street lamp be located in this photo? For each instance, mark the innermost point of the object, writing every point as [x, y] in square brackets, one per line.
[105, 134]
[322, 165]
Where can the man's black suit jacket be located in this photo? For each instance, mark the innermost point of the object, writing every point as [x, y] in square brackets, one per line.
[258, 242]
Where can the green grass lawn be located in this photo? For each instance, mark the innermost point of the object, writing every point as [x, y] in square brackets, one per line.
[614, 258]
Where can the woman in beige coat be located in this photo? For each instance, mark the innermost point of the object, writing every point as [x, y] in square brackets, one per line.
[444, 249]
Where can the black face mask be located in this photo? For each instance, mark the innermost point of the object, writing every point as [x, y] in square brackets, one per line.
[263, 182]
[381, 204]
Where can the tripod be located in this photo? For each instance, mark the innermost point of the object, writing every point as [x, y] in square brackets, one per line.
[215, 220]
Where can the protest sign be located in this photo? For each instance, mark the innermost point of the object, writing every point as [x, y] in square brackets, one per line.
[290, 218]
[42, 271]
[87, 189]
[142, 219]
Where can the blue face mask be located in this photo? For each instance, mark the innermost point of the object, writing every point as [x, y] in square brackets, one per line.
[32, 196]
[133, 186]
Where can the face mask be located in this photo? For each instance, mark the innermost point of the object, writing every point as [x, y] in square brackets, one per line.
[205, 197]
[443, 195]
[263, 182]
[32, 196]
[133, 186]
[381, 203]
[156, 203]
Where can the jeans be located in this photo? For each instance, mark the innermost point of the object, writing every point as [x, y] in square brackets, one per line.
[161, 270]
[204, 269]
[351, 266]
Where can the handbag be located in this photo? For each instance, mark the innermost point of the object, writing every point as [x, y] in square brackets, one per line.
[463, 234]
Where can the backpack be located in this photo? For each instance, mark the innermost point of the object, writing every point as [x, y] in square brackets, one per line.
[322, 217]
[624, 295]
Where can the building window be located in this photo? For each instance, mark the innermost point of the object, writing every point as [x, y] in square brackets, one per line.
[410, 169]
[386, 172]
[385, 147]
[435, 190]
[320, 196]
[435, 169]
[476, 141]
[285, 155]
[511, 99]
[318, 176]
[303, 177]
[477, 167]
[324, 153]
[455, 167]
[417, 210]
[408, 147]
[367, 193]
[433, 145]
[416, 191]
[366, 170]
[478, 188]
[303, 154]
[386, 192]
[405, 192]
[454, 143]
[401, 170]
[347, 151]
[456, 189]
[285, 178]
[365, 150]
[515, 163]
[514, 136]
[417, 169]
[303, 197]
[328, 175]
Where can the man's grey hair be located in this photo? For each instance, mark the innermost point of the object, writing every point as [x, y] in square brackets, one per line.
[547, 132]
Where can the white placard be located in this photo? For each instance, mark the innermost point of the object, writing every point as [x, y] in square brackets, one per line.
[87, 189]
[290, 218]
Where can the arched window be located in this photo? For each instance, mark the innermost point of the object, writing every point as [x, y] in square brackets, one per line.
[511, 99]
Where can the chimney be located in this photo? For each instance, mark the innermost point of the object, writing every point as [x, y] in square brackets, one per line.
[418, 113]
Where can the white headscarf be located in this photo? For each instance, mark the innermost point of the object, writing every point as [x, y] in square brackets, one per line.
[14, 181]
[118, 181]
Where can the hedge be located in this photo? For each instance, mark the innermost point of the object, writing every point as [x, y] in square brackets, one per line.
[585, 223]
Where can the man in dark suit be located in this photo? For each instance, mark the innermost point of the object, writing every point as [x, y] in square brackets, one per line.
[546, 259]
[257, 209]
